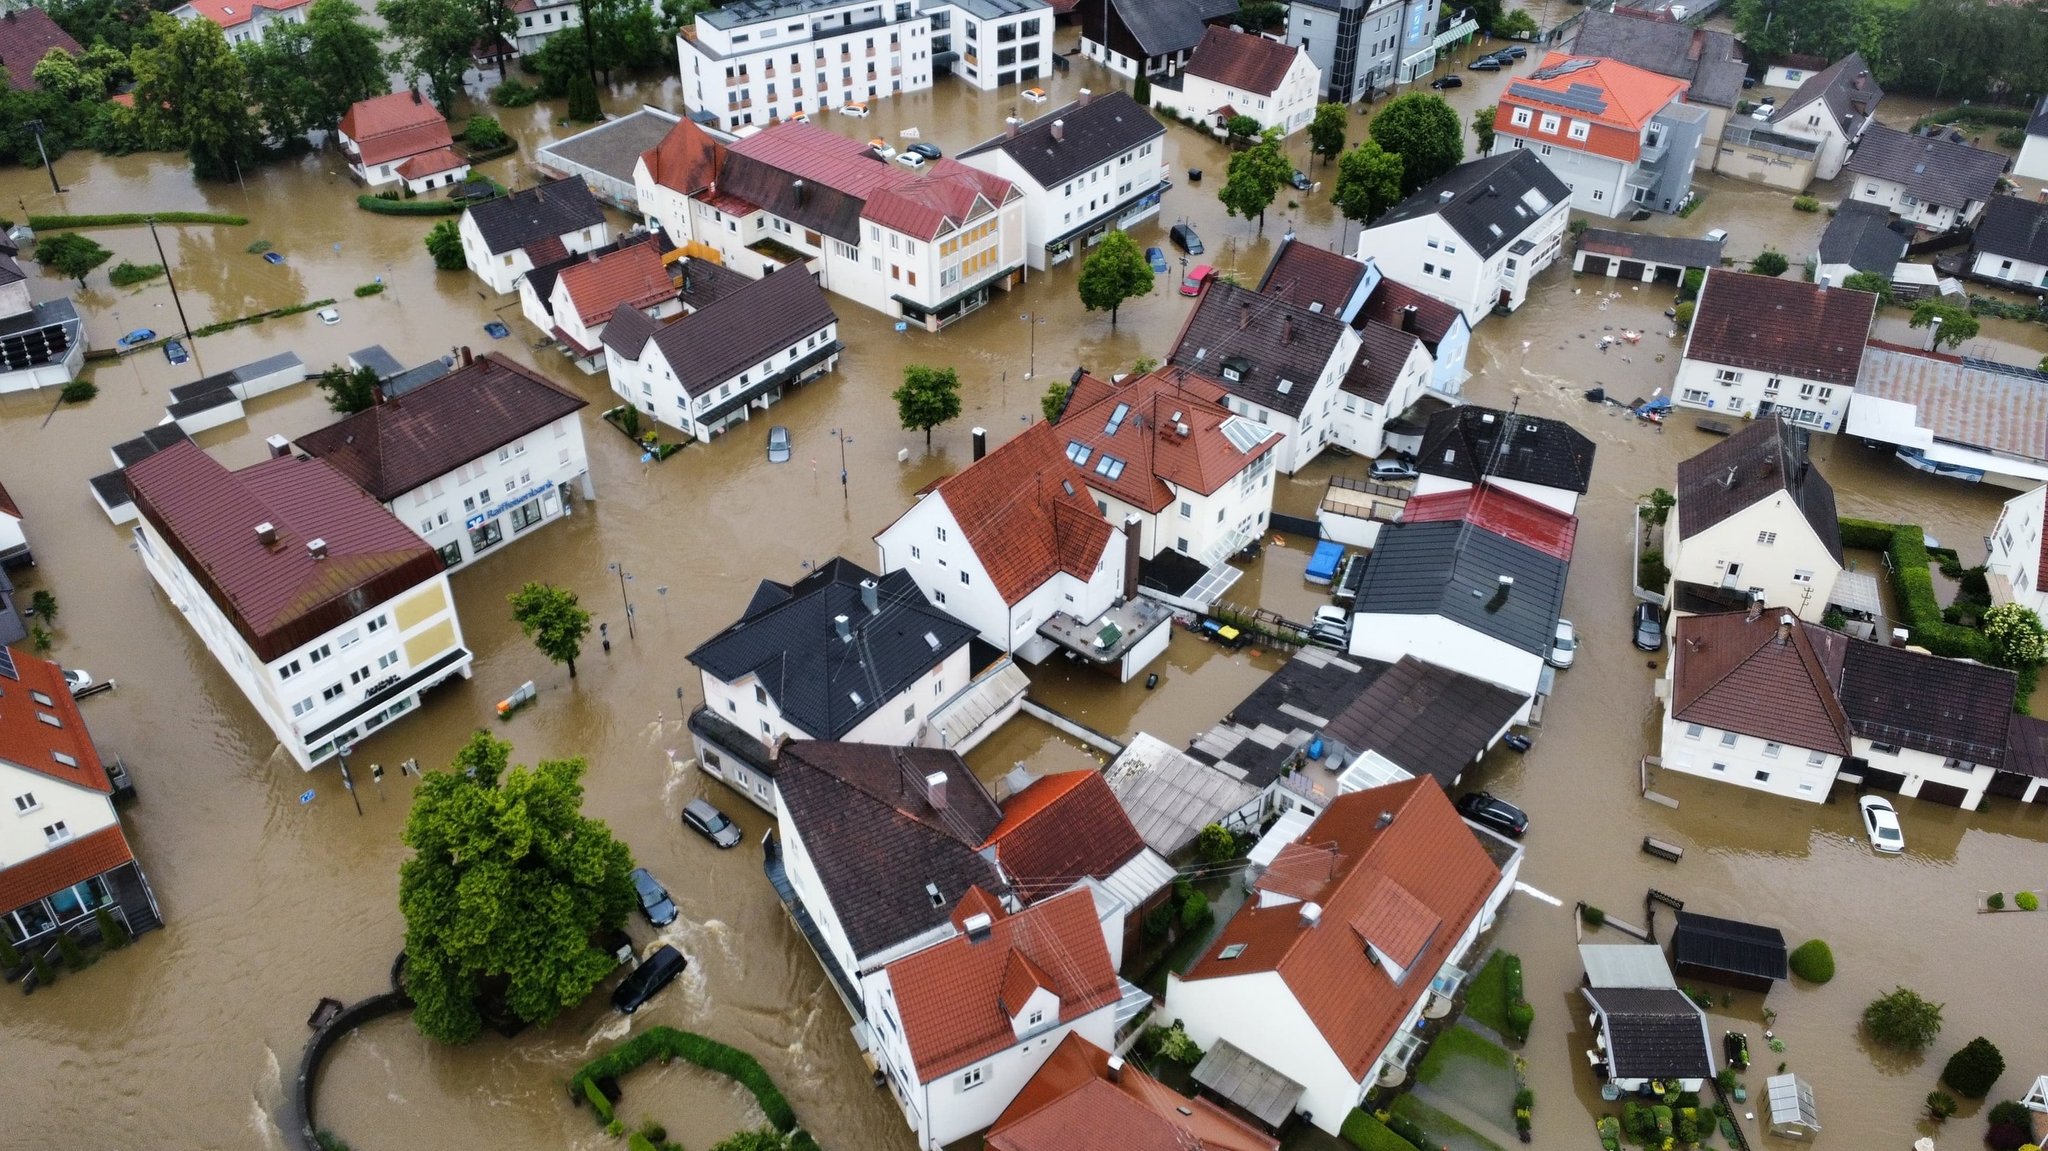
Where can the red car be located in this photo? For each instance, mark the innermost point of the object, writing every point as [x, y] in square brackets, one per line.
[1198, 277]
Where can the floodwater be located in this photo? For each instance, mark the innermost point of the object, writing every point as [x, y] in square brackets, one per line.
[186, 1039]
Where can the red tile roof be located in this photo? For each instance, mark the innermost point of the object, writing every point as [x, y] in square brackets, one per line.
[1307, 276]
[631, 277]
[1781, 326]
[1147, 438]
[233, 13]
[26, 36]
[1240, 60]
[945, 195]
[1060, 828]
[1434, 318]
[7, 504]
[1428, 852]
[62, 866]
[393, 127]
[29, 742]
[1627, 97]
[278, 596]
[1731, 673]
[546, 250]
[1025, 511]
[1505, 513]
[687, 160]
[1072, 1104]
[951, 997]
[431, 163]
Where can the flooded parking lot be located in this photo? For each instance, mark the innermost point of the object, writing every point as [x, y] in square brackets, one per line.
[271, 904]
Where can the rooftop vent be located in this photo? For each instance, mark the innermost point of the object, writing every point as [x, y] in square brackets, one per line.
[1445, 196]
[1486, 417]
[841, 626]
[1385, 820]
[1059, 131]
[870, 596]
[931, 892]
[931, 641]
[266, 533]
[1181, 430]
[1311, 914]
[1116, 1068]
[979, 926]
[1507, 581]
[935, 789]
[317, 548]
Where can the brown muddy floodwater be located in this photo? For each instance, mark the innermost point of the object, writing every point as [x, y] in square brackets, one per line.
[182, 1040]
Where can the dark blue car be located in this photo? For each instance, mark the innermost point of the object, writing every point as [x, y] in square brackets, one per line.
[1157, 259]
[174, 351]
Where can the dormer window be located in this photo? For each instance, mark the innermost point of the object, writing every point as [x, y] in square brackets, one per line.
[1236, 368]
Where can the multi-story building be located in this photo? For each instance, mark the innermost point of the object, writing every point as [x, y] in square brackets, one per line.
[574, 299]
[1542, 459]
[1149, 36]
[43, 344]
[1932, 182]
[1708, 60]
[1754, 522]
[1620, 137]
[2033, 159]
[505, 238]
[1762, 346]
[2010, 245]
[536, 21]
[1095, 165]
[488, 452]
[1477, 235]
[327, 611]
[243, 21]
[2018, 563]
[1365, 46]
[1235, 73]
[1807, 136]
[1280, 360]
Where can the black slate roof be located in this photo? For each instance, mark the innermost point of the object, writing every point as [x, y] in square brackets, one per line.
[1846, 87]
[876, 841]
[1728, 945]
[547, 210]
[2015, 229]
[1493, 200]
[1430, 720]
[1861, 235]
[1933, 168]
[1163, 26]
[1763, 458]
[1442, 567]
[1947, 707]
[738, 328]
[822, 684]
[1266, 341]
[2026, 746]
[1652, 1033]
[1464, 443]
[1092, 135]
[1679, 251]
[1710, 61]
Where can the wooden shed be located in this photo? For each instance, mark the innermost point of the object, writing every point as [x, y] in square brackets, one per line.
[1728, 951]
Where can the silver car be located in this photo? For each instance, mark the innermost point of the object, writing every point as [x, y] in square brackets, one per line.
[711, 823]
[778, 445]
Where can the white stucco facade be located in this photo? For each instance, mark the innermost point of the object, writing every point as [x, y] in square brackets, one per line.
[649, 383]
[535, 21]
[502, 271]
[1061, 220]
[1207, 527]
[259, 14]
[1767, 549]
[1428, 255]
[1893, 197]
[2021, 273]
[2015, 551]
[1737, 391]
[500, 497]
[898, 721]
[42, 812]
[1563, 499]
[1289, 106]
[1747, 761]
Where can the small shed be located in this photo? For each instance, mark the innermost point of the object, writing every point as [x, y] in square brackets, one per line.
[1792, 1114]
[1728, 951]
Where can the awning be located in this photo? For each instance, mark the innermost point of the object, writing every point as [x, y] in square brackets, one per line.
[768, 384]
[1108, 216]
[984, 699]
[1856, 592]
[449, 663]
[1264, 1093]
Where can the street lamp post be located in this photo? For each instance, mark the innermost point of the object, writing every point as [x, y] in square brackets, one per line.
[625, 575]
[169, 278]
[36, 126]
[844, 439]
[343, 752]
[1032, 318]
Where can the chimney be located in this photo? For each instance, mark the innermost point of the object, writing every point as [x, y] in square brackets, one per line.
[935, 789]
[1010, 126]
[1116, 1069]
[1445, 196]
[266, 533]
[1311, 914]
[1081, 100]
[1409, 323]
[317, 548]
[868, 597]
[1244, 316]
[1933, 333]
[1857, 83]
[1059, 131]
[842, 628]
[378, 396]
[1132, 532]
[1286, 329]
[1507, 581]
[980, 442]
[466, 358]
[1756, 611]
[1823, 282]
[803, 191]
[278, 445]
[1784, 629]
[979, 927]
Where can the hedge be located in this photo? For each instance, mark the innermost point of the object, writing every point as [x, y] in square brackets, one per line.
[384, 207]
[1978, 114]
[667, 1043]
[122, 219]
[1906, 545]
[1813, 961]
[1366, 1133]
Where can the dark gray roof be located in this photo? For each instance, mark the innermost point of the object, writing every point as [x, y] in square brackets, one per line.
[815, 204]
[1763, 458]
[1428, 719]
[613, 148]
[1932, 168]
[1163, 26]
[1303, 696]
[2038, 126]
[1947, 707]
[738, 328]
[1847, 88]
[412, 378]
[1265, 341]
[1382, 352]
[2026, 746]
[1653, 1033]
[1448, 568]
[1861, 236]
[548, 210]
[2014, 228]
[1679, 251]
[876, 841]
[377, 359]
[1492, 201]
[1107, 127]
[1728, 945]
[1463, 443]
[825, 685]
[1710, 61]
[147, 444]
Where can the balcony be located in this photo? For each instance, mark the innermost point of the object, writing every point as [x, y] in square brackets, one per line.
[736, 80]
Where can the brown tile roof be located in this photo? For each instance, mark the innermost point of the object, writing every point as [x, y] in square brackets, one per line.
[1785, 326]
[687, 160]
[26, 36]
[1428, 852]
[546, 250]
[26, 741]
[431, 163]
[7, 504]
[387, 128]
[947, 195]
[62, 866]
[1310, 277]
[1146, 437]
[1060, 828]
[396, 446]
[278, 596]
[1026, 512]
[2026, 746]
[1434, 318]
[957, 999]
[1947, 707]
[631, 277]
[1761, 461]
[1382, 352]
[1732, 673]
[1072, 1104]
[1240, 60]
[1391, 921]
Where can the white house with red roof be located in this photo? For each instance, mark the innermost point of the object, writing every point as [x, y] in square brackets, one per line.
[1315, 985]
[535, 21]
[243, 21]
[1234, 73]
[401, 136]
[1085, 1099]
[1619, 136]
[62, 852]
[576, 302]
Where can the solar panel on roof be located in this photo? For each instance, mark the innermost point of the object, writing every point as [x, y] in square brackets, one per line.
[7, 664]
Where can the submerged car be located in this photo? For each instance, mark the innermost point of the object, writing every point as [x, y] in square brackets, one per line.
[858, 110]
[1196, 279]
[1442, 82]
[138, 336]
[1481, 807]
[1185, 238]
[928, 151]
[655, 972]
[655, 904]
[77, 679]
[711, 823]
[911, 160]
[1035, 95]
[273, 257]
[1881, 824]
[778, 445]
[174, 351]
[1484, 64]
[328, 316]
[1300, 181]
[1649, 627]
[1564, 644]
[1157, 259]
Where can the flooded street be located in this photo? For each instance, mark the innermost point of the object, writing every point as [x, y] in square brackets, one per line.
[184, 1040]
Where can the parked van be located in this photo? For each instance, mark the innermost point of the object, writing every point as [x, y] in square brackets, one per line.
[654, 973]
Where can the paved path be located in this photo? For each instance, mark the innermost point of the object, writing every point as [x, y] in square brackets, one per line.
[1486, 1033]
[1481, 1126]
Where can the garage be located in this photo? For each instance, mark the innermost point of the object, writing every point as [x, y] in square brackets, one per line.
[1876, 779]
[2010, 784]
[1595, 265]
[1943, 793]
[1642, 259]
[1631, 270]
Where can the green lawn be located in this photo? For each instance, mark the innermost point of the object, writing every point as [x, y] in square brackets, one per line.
[1441, 1127]
[1486, 996]
[1455, 1044]
[1366, 1133]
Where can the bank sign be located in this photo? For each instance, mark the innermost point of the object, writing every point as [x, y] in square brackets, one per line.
[481, 518]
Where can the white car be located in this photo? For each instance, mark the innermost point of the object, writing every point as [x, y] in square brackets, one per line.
[1881, 824]
[77, 679]
[856, 110]
[1563, 645]
[1035, 95]
[328, 316]
[910, 160]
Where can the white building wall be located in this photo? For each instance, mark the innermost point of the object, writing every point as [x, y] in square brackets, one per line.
[503, 271]
[1770, 546]
[1599, 183]
[2015, 551]
[1563, 499]
[1816, 123]
[2017, 272]
[1768, 766]
[1089, 198]
[1259, 1015]
[1288, 107]
[507, 494]
[1903, 204]
[1921, 768]
[650, 384]
[249, 31]
[1196, 524]
[662, 206]
[1741, 392]
[1428, 255]
[533, 29]
[2033, 159]
[1437, 640]
[54, 801]
[901, 721]
[1361, 425]
[11, 535]
[810, 890]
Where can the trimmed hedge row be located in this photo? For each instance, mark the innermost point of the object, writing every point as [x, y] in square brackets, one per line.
[1906, 545]
[666, 1043]
[122, 219]
[1367, 1133]
[384, 207]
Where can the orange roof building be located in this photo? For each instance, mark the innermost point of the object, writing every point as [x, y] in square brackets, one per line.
[1083, 1099]
[401, 136]
[584, 295]
[1312, 988]
[244, 20]
[1623, 137]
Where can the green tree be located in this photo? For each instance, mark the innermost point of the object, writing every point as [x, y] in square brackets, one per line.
[928, 397]
[71, 254]
[485, 132]
[553, 619]
[190, 86]
[759, 1139]
[1515, 24]
[1215, 844]
[1876, 283]
[1241, 126]
[1256, 176]
[2017, 637]
[349, 391]
[1682, 315]
[1368, 182]
[1141, 90]
[120, 24]
[435, 37]
[1423, 130]
[1260, 15]
[345, 59]
[1054, 399]
[1326, 131]
[1482, 127]
[78, 78]
[1114, 272]
[1974, 1069]
[280, 81]
[1813, 961]
[507, 892]
[629, 36]
[113, 936]
[1769, 262]
[1772, 28]
[43, 605]
[444, 243]
[584, 105]
[1900, 1018]
[1957, 324]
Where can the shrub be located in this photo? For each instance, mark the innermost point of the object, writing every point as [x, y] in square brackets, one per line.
[74, 956]
[1194, 911]
[1367, 1133]
[327, 1140]
[1511, 967]
[1940, 1105]
[1769, 262]
[1592, 915]
[1805, 204]
[2027, 901]
[1974, 1070]
[638, 1142]
[1215, 844]
[598, 1102]
[363, 290]
[2010, 1111]
[1995, 901]
[1521, 1017]
[615, 1128]
[2012, 137]
[121, 219]
[1689, 286]
[2008, 1136]
[388, 204]
[40, 968]
[1409, 1130]
[485, 133]
[79, 391]
[668, 1043]
[1683, 316]
[10, 956]
[125, 273]
[1813, 961]
[113, 936]
[258, 247]
[1901, 1018]
[513, 94]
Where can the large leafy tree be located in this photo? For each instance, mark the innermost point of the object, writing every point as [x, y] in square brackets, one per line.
[280, 82]
[1326, 131]
[444, 243]
[926, 398]
[435, 38]
[1256, 176]
[1482, 127]
[1114, 272]
[553, 619]
[509, 888]
[71, 254]
[1957, 324]
[629, 35]
[1368, 182]
[1824, 28]
[192, 87]
[120, 24]
[345, 59]
[1901, 1018]
[1423, 130]
[349, 391]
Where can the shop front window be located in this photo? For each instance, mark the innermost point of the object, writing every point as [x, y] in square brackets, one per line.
[488, 534]
[526, 515]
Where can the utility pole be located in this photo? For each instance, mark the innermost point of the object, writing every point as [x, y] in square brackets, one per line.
[36, 126]
[625, 575]
[169, 278]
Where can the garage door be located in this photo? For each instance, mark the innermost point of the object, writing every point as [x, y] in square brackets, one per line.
[2010, 784]
[1943, 793]
[1877, 780]
[1631, 269]
[1596, 265]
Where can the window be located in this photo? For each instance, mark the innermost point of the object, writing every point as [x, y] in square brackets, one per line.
[1727, 376]
[1770, 750]
[1727, 739]
[526, 515]
[1763, 777]
[942, 535]
[1767, 538]
[1696, 396]
[56, 833]
[1802, 577]
[1579, 130]
[1036, 1018]
[1549, 124]
[1521, 118]
[916, 553]
[320, 653]
[760, 694]
[25, 803]
[1816, 758]
[963, 577]
[939, 595]
[1187, 510]
[1720, 767]
[1692, 730]
[358, 675]
[487, 534]
[330, 693]
[1885, 748]
[288, 670]
[375, 625]
[972, 1079]
[909, 712]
